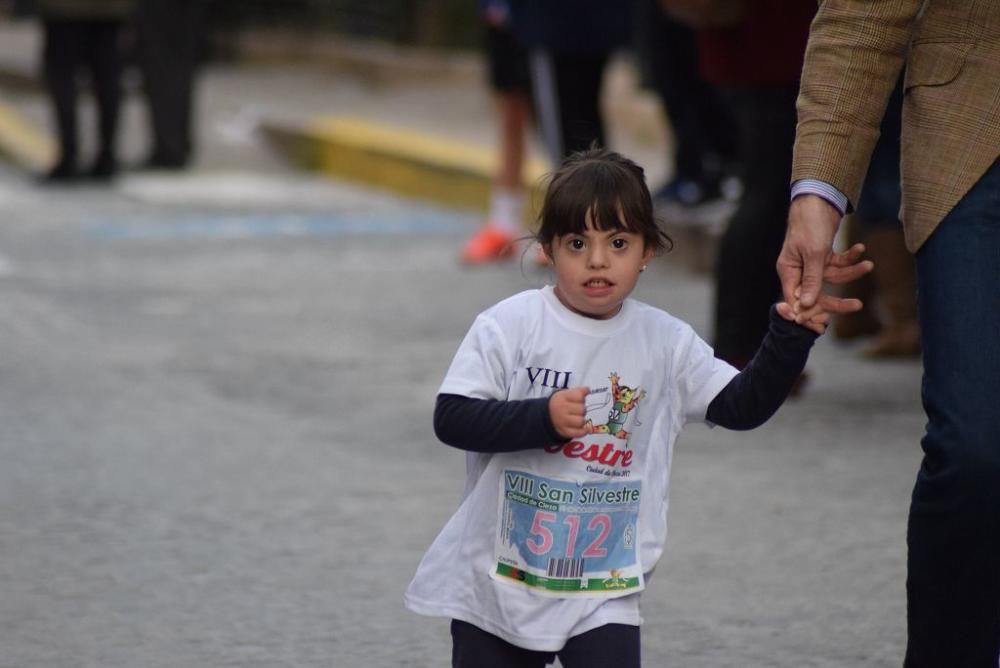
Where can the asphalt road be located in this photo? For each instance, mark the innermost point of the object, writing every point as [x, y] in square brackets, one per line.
[215, 397]
[215, 435]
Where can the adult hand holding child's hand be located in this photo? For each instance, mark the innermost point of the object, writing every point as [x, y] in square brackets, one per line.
[568, 410]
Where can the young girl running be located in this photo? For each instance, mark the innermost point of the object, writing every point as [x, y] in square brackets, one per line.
[568, 401]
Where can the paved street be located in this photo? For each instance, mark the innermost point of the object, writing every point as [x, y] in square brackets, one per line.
[215, 403]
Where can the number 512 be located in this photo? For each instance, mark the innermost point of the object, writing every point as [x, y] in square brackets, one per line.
[542, 539]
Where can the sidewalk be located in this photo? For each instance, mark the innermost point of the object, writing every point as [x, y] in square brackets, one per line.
[297, 87]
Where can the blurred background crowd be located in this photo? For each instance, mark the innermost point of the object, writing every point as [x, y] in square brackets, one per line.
[725, 80]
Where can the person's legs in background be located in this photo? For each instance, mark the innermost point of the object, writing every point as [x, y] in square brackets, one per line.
[567, 95]
[704, 133]
[745, 281]
[566, 89]
[103, 53]
[61, 58]
[578, 80]
[953, 583]
[170, 41]
[511, 84]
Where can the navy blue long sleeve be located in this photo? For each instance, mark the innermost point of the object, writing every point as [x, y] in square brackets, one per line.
[748, 401]
[493, 425]
[753, 396]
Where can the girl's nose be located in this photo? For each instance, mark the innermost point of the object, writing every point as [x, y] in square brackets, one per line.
[598, 257]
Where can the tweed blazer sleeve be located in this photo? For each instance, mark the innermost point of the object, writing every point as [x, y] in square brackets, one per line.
[855, 53]
[951, 109]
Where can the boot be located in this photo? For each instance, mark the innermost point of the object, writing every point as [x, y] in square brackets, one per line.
[896, 289]
[865, 322]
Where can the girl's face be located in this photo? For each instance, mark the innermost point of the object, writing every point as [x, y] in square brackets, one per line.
[597, 270]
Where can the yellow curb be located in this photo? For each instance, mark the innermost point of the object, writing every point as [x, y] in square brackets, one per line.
[22, 142]
[436, 169]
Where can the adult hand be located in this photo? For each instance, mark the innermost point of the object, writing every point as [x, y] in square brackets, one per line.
[847, 266]
[808, 248]
[840, 268]
[568, 411]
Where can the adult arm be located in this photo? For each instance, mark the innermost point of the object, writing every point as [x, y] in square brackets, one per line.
[824, 190]
[853, 59]
[756, 393]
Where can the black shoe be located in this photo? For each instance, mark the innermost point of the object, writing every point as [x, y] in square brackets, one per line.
[63, 173]
[103, 169]
[159, 161]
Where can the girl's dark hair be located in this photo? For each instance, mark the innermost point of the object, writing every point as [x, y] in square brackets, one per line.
[608, 186]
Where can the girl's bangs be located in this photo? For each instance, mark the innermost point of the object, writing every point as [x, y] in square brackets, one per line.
[593, 195]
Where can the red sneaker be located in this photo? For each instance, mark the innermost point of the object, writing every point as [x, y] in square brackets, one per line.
[489, 244]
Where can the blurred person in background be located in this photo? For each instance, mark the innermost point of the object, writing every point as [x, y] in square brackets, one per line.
[170, 42]
[511, 86]
[78, 34]
[553, 54]
[569, 43]
[753, 54]
[705, 141]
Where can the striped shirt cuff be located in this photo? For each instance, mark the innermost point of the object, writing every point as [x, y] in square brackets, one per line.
[821, 189]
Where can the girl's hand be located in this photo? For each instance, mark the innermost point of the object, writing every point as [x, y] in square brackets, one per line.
[568, 411]
[815, 319]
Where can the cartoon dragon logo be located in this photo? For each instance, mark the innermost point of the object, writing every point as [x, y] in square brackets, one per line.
[625, 400]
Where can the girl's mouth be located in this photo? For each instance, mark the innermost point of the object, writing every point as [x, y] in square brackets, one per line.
[598, 287]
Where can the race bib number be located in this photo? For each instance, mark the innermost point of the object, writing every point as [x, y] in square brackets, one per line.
[567, 538]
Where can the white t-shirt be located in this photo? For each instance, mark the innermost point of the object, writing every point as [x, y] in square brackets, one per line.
[548, 544]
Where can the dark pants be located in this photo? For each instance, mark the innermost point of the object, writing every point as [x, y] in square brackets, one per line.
[170, 45]
[953, 584]
[71, 44]
[610, 646]
[567, 94]
[703, 129]
[746, 283]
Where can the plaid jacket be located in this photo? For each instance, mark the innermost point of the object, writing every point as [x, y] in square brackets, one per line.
[951, 107]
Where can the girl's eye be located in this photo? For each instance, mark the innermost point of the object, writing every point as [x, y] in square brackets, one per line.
[619, 243]
[576, 244]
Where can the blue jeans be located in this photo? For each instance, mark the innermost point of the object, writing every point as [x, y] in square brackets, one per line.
[953, 582]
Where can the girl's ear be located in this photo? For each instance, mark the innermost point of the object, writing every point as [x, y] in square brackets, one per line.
[648, 254]
[547, 252]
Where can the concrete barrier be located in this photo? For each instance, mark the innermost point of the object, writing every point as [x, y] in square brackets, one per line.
[22, 142]
[432, 168]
